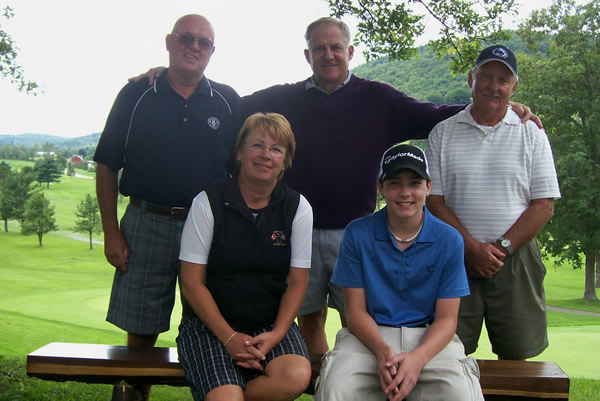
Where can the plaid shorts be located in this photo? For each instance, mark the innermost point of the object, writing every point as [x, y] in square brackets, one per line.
[208, 365]
[142, 299]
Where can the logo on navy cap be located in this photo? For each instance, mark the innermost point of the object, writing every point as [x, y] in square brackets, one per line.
[500, 52]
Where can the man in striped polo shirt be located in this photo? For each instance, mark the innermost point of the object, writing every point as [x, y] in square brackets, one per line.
[494, 180]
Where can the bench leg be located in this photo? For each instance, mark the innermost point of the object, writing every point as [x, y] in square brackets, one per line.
[123, 392]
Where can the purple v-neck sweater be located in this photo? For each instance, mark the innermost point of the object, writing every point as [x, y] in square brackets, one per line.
[340, 138]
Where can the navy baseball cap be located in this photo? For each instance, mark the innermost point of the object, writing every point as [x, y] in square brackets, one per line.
[401, 157]
[498, 53]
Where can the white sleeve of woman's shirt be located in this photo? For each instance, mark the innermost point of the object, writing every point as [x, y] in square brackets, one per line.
[302, 235]
[197, 235]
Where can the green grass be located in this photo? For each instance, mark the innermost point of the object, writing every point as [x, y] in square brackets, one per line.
[18, 164]
[60, 293]
[67, 293]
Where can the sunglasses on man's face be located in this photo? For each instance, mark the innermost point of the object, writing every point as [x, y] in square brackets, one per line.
[187, 40]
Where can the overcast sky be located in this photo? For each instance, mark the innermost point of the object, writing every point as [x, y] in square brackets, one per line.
[81, 52]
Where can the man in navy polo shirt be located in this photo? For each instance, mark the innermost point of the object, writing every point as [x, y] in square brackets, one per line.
[171, 140]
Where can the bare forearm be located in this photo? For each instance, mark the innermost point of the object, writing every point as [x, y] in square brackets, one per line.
[437, 337]
[441, 331]
[362, 325]
[204, 306]
[530, 223]
[106, 191]
[291, 301]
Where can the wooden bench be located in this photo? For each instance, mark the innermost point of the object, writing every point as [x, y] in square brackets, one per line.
[113, 364]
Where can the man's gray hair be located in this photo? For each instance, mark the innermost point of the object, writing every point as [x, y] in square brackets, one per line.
[328, 20]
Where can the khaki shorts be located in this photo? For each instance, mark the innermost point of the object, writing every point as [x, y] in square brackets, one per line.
[321, 292]
[349, 371]
[514, 305]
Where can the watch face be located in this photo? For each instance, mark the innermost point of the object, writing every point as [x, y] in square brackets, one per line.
[505, 243]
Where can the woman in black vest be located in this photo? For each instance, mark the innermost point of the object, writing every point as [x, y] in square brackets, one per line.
[245, 254]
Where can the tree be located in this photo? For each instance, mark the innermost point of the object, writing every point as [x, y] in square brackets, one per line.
[70, 169]
[562, 86]
[9, 68]
[39, 216]
[4, 170]
[48, 170]
[88, 217]
[15, 189]
[390, 28]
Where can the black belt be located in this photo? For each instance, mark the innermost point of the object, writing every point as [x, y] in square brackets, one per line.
[179, 213]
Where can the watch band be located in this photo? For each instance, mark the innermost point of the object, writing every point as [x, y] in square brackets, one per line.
[506, 244]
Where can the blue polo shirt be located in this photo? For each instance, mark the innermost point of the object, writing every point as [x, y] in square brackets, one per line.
[402, 287]
[170, 148]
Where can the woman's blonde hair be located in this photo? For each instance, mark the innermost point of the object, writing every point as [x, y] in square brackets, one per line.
[273, 124]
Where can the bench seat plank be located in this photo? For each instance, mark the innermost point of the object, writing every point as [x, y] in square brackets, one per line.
[111, 364]
[533, 379]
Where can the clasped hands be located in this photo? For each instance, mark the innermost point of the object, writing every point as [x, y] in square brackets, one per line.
[483, 260]
[250, 351]
[398, 373]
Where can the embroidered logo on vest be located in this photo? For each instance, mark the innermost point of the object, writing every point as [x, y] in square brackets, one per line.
[278, 238]
[214, 122]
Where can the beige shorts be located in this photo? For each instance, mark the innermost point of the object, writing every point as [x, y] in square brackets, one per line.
[321, 292]
[349, 371]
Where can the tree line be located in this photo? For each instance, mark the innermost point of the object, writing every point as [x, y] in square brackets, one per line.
[26, 203]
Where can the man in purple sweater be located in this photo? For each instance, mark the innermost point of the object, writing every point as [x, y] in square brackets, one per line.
[342, 124]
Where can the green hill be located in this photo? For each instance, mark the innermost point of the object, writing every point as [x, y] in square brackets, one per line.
[427, 77]
[29, 140]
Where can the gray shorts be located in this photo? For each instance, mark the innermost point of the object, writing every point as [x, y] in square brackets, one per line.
[514, 305]
[349, 371]
[321, 292]
[208, 365]
[142, 299]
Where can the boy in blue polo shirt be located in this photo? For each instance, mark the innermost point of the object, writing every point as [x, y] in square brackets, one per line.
[403, 275]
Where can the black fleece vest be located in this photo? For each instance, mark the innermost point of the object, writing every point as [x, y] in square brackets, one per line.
[249, 257]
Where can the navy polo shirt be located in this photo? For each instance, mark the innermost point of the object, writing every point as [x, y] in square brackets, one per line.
[170, 148]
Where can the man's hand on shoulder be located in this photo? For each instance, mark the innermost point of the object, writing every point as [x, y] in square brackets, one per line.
[524, 112]
[150, 75]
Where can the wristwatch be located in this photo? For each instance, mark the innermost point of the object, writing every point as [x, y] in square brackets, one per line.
[505, 243]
